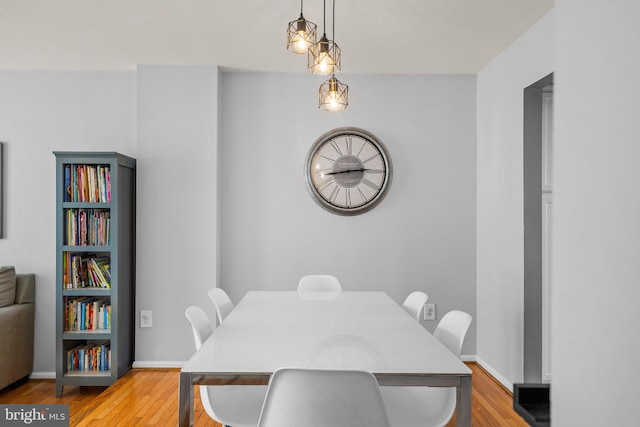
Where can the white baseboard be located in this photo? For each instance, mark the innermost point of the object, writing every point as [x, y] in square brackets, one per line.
[42, 376]
[468, 357]
[495, 374]
[157, 364]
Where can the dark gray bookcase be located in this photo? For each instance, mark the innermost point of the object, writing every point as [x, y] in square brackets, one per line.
[120, 252]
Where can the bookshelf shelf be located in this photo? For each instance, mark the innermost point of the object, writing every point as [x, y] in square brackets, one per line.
[86, 205]
[95, 267]
[92, 291]
[91, 334]
[86, 248]
[89, 374]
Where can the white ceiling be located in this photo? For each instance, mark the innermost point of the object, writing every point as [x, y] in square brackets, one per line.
[376, 36]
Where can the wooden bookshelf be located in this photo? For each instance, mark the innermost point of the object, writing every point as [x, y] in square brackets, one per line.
[95, 267]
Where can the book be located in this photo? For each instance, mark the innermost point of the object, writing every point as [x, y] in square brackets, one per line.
[67, 183]
[101, 270]
[107, 175]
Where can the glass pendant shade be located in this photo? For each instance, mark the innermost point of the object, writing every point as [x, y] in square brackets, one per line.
[334, 96]
[324, 57]
[301, 35]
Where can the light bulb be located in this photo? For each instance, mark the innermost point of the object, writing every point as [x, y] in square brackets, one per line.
[325, 62]
[333, 101]
[300, 42]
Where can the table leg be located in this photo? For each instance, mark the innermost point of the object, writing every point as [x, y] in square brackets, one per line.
[185, 400]
[463, 402]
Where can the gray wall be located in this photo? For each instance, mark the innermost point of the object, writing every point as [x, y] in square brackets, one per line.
[177, 204]
[43, 111]
[170, 118]
[500, 222]
[595, 275]
[421, 237]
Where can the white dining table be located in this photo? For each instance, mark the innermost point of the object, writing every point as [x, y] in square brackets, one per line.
[351, 330]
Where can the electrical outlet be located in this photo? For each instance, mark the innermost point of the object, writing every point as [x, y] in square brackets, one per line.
[146, 318]
[429, 312]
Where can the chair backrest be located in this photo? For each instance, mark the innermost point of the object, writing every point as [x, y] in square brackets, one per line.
[452, 329]
[202, 329]
[414, 303]
[319, 398]
[222, 302]
[319, 283]
[200, 324]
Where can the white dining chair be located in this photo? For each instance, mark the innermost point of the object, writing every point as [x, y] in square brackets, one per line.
[299, 397]
[222, 303]
[429, 406]
[232, 405]
[414, 303]
[319, 283]
[452, 329]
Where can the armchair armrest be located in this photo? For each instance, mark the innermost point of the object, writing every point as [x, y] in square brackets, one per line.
[25, 288]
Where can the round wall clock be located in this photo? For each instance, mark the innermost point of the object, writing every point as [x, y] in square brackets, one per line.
[348, 171]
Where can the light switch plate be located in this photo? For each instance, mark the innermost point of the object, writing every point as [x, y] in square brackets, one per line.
[429, 312]
[146, 318]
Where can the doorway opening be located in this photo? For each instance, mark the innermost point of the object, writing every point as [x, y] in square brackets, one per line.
[538, 202]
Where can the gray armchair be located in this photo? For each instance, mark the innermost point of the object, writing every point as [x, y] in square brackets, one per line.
[16, 333]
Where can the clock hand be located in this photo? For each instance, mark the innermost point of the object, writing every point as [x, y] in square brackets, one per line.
[347, 171]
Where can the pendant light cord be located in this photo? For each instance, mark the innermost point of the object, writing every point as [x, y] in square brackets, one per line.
[324, 15]
[333, 36]
[301, 1]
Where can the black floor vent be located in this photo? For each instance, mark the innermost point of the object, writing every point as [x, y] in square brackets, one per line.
[531, 402]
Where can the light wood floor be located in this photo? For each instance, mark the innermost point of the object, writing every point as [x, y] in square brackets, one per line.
[149, 397]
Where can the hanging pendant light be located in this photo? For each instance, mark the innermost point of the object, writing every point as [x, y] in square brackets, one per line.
[334, 95]
[324, 56]
[301, 34]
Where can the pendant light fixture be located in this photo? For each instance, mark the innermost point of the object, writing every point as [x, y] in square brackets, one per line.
[324, 56]
[334, 96]
[301, 34]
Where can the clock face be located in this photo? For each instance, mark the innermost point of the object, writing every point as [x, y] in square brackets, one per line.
[348, 171]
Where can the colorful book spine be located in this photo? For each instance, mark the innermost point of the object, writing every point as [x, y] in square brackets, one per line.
[89, 357]
[87, 183]
[88, 227]
[86, 314]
